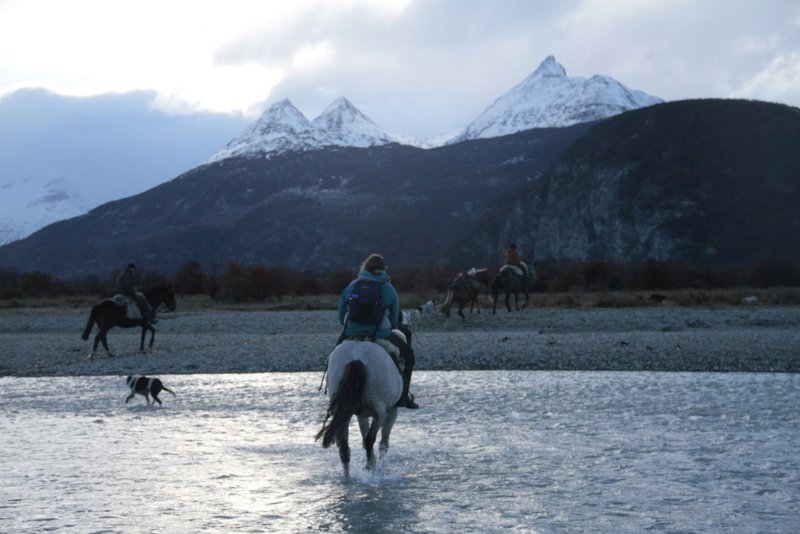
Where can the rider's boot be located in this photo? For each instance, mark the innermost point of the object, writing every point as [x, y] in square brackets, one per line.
[406, 398]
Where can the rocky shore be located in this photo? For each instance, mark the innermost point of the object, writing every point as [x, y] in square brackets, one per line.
[730, 339]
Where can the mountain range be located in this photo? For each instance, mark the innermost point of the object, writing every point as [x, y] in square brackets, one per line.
[545, 99]
[112, 146]
[707, 182]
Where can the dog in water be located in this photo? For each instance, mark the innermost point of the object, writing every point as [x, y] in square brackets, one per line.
[146, 386]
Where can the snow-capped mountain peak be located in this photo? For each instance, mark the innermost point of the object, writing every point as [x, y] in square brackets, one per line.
[348, 126]
[283, 128]
[549, 68]
[548, 98]
[280, 128]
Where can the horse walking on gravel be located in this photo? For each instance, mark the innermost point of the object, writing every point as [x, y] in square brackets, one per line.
[364, 381]
[509, 282]
[109, 314]
[465, 290]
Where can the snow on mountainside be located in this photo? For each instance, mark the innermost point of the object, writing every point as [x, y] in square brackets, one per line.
[549, 99]
[55, 201]
[63, 155]
[282, 128]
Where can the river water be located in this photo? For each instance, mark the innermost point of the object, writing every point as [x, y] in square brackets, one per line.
[496, 451]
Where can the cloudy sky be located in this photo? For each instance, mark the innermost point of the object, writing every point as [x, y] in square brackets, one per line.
[418, 67]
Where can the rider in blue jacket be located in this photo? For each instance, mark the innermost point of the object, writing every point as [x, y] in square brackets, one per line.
[373, 269]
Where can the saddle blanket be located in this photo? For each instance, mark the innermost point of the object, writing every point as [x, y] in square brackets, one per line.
[131, 306]
[514, 269]
[392, 350]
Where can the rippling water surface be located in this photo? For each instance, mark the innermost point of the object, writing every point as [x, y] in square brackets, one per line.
[489, 451]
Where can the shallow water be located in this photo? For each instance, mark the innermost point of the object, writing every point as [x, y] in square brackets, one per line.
[489, 451]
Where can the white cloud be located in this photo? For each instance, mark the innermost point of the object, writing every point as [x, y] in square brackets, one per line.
[778, 81]
[415, 66]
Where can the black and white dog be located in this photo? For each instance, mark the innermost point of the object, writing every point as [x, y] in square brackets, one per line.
[146, 386]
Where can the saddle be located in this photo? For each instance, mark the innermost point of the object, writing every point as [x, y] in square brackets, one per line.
[132, 310]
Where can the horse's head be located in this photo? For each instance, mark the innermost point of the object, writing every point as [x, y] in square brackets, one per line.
[162, 295]
[532, 276]
[169, 298]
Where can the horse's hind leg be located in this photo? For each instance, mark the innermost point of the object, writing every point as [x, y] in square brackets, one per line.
[386, 429]
[101, 338]
[344, 453]
[369, 443]
[152, 336]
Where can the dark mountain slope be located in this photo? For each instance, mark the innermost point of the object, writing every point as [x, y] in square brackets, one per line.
[316, 210]
[710, 182]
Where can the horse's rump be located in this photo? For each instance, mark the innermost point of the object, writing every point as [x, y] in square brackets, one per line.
[383, 376]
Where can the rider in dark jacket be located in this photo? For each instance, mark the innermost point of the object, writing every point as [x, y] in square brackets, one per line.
[126, 285]
[374, 269]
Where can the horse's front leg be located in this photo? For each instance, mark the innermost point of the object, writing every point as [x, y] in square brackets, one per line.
[141, 341]
[508, 301]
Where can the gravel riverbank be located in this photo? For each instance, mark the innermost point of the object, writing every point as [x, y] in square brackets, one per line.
[751, 339]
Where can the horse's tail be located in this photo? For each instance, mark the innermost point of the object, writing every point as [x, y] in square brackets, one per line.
[344, 403]
[448, 301]
[89, 324]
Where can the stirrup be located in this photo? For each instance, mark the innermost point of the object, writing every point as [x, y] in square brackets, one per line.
[408, 402]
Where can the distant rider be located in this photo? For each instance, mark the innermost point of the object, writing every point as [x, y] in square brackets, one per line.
[126, 282]
[513, 259]
[374, 269]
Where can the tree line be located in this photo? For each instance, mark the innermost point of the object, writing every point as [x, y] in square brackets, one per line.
[258, 282]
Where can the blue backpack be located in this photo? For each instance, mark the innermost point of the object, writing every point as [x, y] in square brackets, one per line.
[365, 304]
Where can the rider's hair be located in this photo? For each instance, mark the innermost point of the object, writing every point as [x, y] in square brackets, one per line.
[374, 263]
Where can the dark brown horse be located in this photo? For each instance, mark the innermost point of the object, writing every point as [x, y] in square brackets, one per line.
[464, 290]
[509, 282]
[108, 314]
